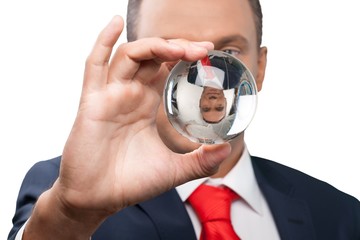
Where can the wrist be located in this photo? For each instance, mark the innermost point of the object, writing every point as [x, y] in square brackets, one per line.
[53, 219]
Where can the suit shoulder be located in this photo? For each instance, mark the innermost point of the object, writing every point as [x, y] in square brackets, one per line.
[302, 183]
[43, 173]
[48, 167]
[331, 210]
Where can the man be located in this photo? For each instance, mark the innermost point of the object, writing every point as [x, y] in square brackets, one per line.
[122, 159]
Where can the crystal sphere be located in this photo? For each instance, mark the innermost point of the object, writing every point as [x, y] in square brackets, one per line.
[212, 100]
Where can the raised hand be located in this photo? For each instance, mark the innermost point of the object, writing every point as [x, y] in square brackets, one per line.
[114, 156]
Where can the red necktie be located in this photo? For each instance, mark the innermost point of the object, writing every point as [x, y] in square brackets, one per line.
[212, 205]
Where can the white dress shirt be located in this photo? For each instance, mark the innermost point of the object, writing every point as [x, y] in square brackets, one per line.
[250, 215]
[20, 233]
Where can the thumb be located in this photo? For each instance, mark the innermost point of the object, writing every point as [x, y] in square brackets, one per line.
[204, 161]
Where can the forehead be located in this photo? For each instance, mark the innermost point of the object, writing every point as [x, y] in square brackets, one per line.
[198, 20]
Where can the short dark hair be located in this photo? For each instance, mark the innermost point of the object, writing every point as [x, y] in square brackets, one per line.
[133, 10]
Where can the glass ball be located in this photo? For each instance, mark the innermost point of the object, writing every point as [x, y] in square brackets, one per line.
[212, 100]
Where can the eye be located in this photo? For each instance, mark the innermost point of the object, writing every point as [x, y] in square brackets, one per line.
[219, 109]
[234, 52]
[205, 109]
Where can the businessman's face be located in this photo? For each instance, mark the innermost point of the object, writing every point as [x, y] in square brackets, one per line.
[212, 105]
[229, 24]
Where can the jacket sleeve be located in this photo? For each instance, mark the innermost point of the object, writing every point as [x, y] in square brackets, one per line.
[38, 179]
[357, 219]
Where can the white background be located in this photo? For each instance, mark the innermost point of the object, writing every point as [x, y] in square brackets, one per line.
[308, 115]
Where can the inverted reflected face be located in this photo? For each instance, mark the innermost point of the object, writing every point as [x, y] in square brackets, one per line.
[211, 100]
[212, 105]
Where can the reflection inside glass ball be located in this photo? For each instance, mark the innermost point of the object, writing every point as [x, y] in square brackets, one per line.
[211, 100]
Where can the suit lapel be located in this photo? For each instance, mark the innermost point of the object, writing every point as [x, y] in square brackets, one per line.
[292, 216]
[169, 216]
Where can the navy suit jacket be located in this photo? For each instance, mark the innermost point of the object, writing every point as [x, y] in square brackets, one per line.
[303, 207]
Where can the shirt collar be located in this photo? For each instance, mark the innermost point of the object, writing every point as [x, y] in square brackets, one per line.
[241, 179]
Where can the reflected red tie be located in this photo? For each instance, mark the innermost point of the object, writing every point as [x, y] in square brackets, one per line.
[212, 206]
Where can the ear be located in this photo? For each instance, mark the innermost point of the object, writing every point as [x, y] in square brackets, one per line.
[262, 59]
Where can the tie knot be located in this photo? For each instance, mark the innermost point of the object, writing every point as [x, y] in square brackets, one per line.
[212, 203]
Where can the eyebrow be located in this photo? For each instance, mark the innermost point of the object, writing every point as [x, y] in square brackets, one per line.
[232, 38]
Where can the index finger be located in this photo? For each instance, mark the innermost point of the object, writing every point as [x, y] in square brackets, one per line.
[96, 67]
[128, 58]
